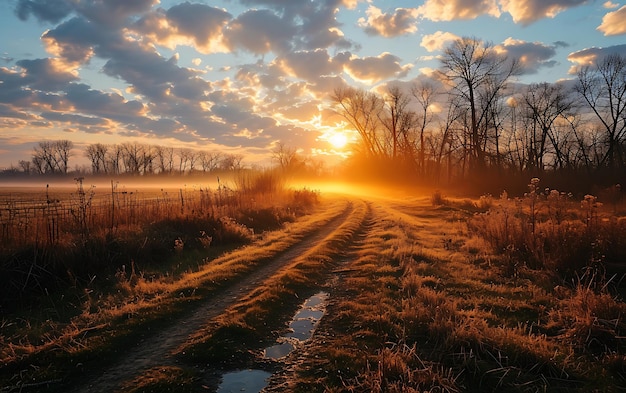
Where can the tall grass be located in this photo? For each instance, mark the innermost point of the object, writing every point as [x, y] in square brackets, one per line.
[65, 238]
[429, 307]
[554, 230]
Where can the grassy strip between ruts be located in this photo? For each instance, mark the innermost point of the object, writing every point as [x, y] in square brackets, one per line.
[92, 339]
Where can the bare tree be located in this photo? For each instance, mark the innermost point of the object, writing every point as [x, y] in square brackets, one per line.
[399, 120]
[25, 166]
[52, 156]
[231, 162]
[97, 154]
[603, 88]
[132, 157]
[477, 74]
[209, 161]
[425, 95]
[362, 110]
[544, 103]
[183, 159]
[287, 158]
[164, 157]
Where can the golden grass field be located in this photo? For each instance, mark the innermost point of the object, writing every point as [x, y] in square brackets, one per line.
[426, 292]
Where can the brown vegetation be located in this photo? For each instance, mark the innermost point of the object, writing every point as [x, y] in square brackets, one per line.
[426, 294]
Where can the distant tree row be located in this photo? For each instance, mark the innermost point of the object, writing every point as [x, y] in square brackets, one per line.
[488, 124]
[52, 157]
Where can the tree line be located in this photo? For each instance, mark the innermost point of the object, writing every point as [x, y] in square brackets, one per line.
[52, 157]
[473, 119]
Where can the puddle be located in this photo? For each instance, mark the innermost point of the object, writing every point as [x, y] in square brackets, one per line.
[301, 329]
[244, 381]
[279, 350]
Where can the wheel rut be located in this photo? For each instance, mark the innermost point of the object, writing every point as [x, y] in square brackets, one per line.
[156, 349]
[280, 380]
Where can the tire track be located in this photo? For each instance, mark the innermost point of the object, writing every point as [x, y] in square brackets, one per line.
[156, 350]
[280, 380]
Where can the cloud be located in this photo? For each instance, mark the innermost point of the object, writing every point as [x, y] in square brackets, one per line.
[108, 105]
[591, 56]
[529, 11]
[44, 10]
[614, 23]
[438, 40]
[112, 13]
[401, 21]
[196, 25]
[610, 5]
[310, 65]
[259, 31]
[45, 75]
[74, 40]
[531, 55]
[448, 10]
[376, 68]
[312, 24]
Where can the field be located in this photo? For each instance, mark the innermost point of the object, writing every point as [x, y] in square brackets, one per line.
[175, 289]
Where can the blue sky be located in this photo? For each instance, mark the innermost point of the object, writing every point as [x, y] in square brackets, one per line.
[242, 76]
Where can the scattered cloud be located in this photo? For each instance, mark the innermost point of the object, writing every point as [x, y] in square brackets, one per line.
[52, 11]
[614, 23]
[529, 11]
[448, 10]
[374, 69]
[610, 5]
[531, 55]
[591, 56]
[437, 41]
[399, 22]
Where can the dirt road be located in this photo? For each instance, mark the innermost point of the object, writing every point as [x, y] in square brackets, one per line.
[156, 349]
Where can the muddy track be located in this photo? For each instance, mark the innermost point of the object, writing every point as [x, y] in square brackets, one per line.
[279, 381]
[156, 349]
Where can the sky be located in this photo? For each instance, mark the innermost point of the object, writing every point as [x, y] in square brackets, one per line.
[241, 76]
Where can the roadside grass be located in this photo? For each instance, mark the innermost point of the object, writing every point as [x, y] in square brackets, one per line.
[162, 379]
[440, 311]
[54, 344]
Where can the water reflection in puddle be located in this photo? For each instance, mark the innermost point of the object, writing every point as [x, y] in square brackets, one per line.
[301, 329]
[244, 381]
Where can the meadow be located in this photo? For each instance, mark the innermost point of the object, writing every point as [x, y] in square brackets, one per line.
[427, 292]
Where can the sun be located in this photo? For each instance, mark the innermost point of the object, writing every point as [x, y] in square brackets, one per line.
[339, 140]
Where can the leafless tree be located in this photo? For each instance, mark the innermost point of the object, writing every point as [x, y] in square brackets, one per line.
[97, 154]
[425, 94]
[603, 88]
[52, 156]
[399, 120]
[477, 74]
[25, 166]
[362, 110]
[208, 160]
[164, 157]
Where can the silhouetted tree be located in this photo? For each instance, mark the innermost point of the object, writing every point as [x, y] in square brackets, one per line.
[603, 88]
[477, 74]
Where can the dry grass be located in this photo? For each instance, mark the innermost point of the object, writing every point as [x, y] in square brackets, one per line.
[102, 317]
[429, 307]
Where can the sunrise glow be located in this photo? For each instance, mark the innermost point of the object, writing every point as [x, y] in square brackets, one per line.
[338, 140]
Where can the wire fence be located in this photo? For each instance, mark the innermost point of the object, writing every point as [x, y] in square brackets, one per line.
[48, 219]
